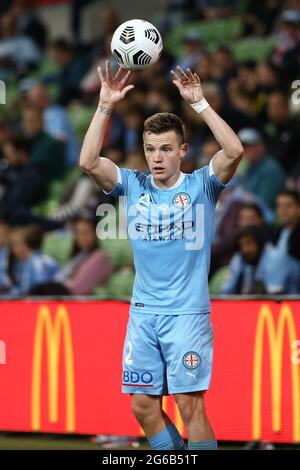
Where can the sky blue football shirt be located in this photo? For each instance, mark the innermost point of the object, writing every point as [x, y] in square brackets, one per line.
[170, 231]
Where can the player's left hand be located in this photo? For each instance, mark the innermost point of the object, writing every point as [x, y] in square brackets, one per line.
[188, 84]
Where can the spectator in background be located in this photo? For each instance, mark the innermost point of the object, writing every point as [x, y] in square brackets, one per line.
[223, 68]
[46, 152]
[237, 215]
[288, 214]
[193, 49]
[108, 22]
[260, 17]
[4, 240]
[213, 9]
[242, 102]
[23, 185]
[89, 84]
[5, 5]
[4, 235]
[287, 49]
[73, 68]
[263, 177]
[177, 12]
[88, 267]
[160, 97]
[27, 266]
[251, 214]
[208, 150]
[133, 127]
[56, 121]
[258, 80]
[136, 160]
[81, 196]
[283, 132]
[203, 68]
[77, 6]
[6, 133]
[255, 81]
[226, 215]
[259, 268]
[18, 53]
[246, 77]
[28, 24]
[269, 79]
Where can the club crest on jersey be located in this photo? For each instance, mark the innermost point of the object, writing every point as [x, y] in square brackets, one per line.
[191, 360]
[181, 200]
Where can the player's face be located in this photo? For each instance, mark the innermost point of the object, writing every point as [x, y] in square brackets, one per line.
[163, 153]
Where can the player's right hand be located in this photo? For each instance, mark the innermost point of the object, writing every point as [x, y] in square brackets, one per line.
[113, 89]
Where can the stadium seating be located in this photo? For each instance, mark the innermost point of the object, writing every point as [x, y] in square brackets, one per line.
[217, 280]
[58, 245]
[119, 286]
[217, 32]
[252, 48]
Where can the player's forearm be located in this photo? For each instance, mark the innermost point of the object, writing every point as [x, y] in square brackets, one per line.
[93, 140]
[223, 134]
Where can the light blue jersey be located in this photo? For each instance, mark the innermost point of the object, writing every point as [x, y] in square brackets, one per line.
[170, 231]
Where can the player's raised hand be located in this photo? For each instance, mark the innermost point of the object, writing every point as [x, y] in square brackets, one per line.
[113, 89]
[188, 84]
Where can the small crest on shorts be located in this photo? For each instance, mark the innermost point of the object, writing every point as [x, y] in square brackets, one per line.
[181, 200]
[191, 360]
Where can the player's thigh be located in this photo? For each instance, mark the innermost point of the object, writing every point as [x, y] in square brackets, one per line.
[187, 346]
[191, 405]
[144, 367]
[144, 405]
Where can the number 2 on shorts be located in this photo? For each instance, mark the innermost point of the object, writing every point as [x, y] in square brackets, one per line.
[128, 359]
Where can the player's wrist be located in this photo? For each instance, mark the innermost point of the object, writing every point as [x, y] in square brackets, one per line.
[200, 105]
[105, 108]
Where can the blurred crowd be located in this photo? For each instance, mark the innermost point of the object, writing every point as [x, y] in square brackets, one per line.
[52, 91]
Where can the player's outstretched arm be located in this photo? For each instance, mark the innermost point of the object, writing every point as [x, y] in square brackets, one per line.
[226, 161]
[113, 89]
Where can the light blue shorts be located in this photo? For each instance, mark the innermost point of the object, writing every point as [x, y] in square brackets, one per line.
[167, 354]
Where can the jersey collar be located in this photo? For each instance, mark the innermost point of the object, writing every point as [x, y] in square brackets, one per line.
[175, 185]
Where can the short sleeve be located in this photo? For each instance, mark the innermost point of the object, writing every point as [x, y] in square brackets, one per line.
[121, 188]
[211, 183]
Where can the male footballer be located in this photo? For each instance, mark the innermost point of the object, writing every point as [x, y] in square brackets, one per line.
[168, 346]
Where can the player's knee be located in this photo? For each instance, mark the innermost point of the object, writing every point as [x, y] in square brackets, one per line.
[191, 407]
[144, 408]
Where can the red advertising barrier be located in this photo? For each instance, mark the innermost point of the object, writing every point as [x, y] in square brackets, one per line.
[60, 369]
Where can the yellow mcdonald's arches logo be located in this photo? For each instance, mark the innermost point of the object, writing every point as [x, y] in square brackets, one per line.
[276, 341]
[54, 331]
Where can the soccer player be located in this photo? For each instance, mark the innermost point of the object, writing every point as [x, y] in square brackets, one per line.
[168, 346]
